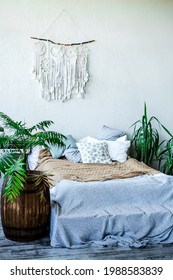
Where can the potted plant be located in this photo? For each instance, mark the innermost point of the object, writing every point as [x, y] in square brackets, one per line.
[25, 194]
[145, 138]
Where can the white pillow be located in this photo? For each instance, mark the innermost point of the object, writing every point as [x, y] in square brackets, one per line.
[120, 139]
[94, 152]
[117, 149]
[33, 157]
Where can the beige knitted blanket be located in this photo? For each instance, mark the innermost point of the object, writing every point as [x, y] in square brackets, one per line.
[63, 169]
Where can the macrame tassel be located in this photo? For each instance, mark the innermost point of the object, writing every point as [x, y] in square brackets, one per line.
[60, 70]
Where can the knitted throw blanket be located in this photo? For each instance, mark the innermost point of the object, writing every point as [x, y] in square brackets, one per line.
[61, 169]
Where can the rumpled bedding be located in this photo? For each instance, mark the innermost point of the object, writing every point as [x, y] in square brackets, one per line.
[61, 169]
[129, 212]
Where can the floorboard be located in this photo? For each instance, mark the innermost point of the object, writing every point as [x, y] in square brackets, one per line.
[41, 250]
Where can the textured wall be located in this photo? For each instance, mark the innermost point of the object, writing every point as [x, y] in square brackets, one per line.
[130, 62]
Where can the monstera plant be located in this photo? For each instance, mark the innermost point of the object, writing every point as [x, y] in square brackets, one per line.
[15, 147]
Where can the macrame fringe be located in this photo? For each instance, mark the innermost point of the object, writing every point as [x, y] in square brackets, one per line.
[61, 70]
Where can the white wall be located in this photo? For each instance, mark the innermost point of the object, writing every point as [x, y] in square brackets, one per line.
[130, 62]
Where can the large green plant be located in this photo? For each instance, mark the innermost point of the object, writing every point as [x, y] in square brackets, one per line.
[15, 147]
[165, 157]
[145, 139]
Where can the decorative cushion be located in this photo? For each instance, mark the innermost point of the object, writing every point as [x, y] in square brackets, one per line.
[70, 142]
[58, 151]
[94, 152]
[73, 154]
[122, 138]
[117, 149]
[109, 133]
[32, 158]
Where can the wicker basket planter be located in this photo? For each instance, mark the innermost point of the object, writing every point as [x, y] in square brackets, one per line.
[27, 218]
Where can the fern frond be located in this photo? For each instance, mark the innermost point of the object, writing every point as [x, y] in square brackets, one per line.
[16, 176]
[46, 138]
[7, 159]
[9, 122]
[41, 126]
[42, 182]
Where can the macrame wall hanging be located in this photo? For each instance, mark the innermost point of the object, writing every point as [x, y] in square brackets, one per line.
[61, 69]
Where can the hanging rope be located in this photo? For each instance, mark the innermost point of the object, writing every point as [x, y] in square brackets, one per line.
[62, 44]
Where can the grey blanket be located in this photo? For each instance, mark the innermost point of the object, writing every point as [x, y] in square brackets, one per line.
[127, 212]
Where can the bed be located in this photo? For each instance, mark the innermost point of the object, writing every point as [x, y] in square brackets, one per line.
[120, 204]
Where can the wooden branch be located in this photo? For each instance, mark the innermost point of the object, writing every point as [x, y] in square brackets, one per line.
[72, 44]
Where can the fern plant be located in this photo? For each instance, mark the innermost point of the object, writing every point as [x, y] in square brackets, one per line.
[145, 138]
[15, 147]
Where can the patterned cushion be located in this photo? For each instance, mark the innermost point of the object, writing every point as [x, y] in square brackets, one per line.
[109, 133]
[94, 152]
[73, 154]
[117, 149]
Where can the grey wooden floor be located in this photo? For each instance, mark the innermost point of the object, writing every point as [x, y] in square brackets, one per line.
[41, 250]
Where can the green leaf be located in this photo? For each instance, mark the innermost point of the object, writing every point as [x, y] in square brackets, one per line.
[146, 142]
[43, 125]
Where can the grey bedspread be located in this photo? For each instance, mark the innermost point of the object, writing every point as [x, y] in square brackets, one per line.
[127, 212]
